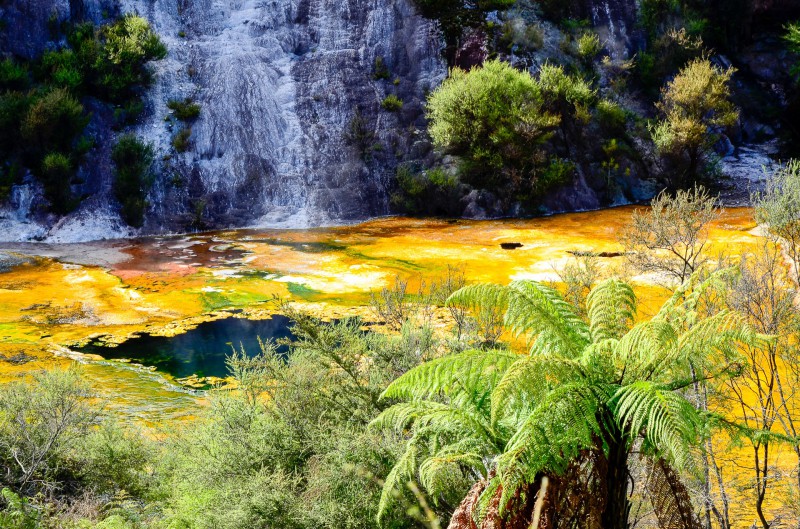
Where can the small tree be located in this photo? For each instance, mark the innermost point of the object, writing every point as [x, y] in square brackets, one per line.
[778, 206]
[38, 423]
[495, 118]
[692, 105]
[133, 160]
[670, 238]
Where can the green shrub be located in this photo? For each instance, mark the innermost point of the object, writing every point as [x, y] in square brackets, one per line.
[588, 46]
[432, 192]
[114, 459]
[56, 175]
[495, 118]
[379, 70]
[392, 103]
[126, 46]
[133, 162]
[62, 68]
[13, 76]
[611, 116]
[182, 140]
[184, 110]
[13, 109]
[53, 122]
[18, 513]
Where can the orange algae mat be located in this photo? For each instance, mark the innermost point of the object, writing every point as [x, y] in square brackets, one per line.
[54, 296]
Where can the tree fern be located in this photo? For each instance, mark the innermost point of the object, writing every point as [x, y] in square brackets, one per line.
[600, 387]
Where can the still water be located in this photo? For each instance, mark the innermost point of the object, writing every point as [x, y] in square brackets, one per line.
[200, 351]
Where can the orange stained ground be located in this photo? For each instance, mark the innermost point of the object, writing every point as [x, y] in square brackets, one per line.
[165, 285]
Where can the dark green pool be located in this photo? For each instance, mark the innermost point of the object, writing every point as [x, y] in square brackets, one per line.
[201, 351]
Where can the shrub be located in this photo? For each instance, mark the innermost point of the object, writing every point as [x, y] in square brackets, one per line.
[133, 161]
[433, 192]
[41, 421]
[611, 116]
[56, 174]
[181, 141]
[62, 68]
[126, 46]
[380, 70]
[53, 122]
[13, 109]
[588, 46]
[520, 36]
[184, 110]
[359, 134]
[13, 76]
[392, 103]
[493, 116]
[694, 103]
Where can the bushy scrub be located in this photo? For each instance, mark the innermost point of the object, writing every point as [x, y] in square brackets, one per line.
[133, 162]
[125, 47]
[392, 103]
[494, 117]
[502, 122]
[185, 110]
[694, 105]
[42, 118]
[431, 192]
[53, 122]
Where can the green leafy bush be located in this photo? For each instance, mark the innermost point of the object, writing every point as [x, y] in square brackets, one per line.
[432, 192]
[56, 174]
[62, 68]
[126, 46]
[13, 76]
[392, 103]
[133, 162]
[53, 122]
[611, 116]
[13, 109]
[380, 71]
[182, 139]
[495, 118]
[184, 110]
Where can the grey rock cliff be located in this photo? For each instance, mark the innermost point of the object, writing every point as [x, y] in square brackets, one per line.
[279, 83]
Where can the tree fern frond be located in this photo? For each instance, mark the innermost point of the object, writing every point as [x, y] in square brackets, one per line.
[611, 307]
[437, 472]
[644, 348]
[402, 472]
[563, 424]
[540, 311]
[684, 300]
[717, 339]
[421, 414]
[666, 419]
[528, 379]
[472, 296]
[452, 374]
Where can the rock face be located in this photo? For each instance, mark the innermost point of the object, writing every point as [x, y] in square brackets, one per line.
[280, 83]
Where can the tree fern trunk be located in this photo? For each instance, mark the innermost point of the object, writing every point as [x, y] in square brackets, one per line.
[670, 498]
[617, 509]
[576, 500]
